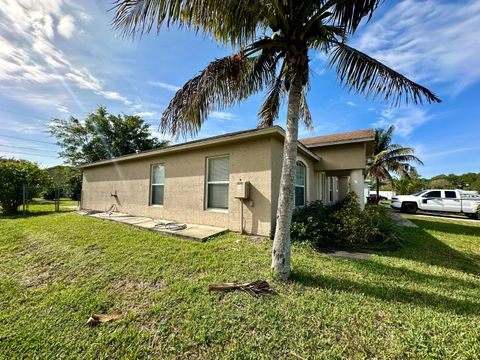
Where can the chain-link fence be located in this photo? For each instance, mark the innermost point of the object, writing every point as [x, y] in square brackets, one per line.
[37, 199]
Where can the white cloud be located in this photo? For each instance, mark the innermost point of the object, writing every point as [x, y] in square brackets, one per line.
[405, 120]
[351, 103]
[429, 41]
[66, 26]
[113, 95]
[63, 109]
[147, 114]
[30, 57]
[221, 115]
[165, 86]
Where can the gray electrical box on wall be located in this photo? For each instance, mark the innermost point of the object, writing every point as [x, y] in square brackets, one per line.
[242, 191]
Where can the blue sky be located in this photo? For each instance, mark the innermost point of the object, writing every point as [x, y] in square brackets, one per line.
[61, 57]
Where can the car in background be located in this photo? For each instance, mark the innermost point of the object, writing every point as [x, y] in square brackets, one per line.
[440, 200]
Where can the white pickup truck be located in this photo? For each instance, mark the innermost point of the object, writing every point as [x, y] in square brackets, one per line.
[447, 201]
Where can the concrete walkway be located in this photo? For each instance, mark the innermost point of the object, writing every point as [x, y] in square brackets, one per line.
[445, 217]
[169, 228]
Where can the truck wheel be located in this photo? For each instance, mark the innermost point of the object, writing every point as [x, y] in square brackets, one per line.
[409, 208]
[474, 216]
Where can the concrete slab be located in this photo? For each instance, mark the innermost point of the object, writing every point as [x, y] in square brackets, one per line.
[188, 231]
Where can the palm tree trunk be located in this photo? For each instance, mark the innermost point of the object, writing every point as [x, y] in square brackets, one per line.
[281, 241]
[378, 188]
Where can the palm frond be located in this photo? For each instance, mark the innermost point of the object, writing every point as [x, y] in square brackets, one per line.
[383, 138]
[363, 74]
[268, 112]
[349, 13]
[233, 22]
[224, 82]
[305, 114]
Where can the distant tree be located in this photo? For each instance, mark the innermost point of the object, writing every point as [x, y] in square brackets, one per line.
[67, 179]
[389, 158]
[14, 174]
[102, 136]
[468, 181]
[411, 184]
[441, 184]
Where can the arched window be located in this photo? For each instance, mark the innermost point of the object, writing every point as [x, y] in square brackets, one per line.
[300, 181]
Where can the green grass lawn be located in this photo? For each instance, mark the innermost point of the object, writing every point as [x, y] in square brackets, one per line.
[57, 269]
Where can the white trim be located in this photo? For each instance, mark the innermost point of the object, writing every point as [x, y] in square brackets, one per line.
[321, 182]
[150, 202]
[218, 183]
[304, 186]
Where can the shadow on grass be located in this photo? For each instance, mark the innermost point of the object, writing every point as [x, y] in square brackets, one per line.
[20, 215]
[424, 247]
[385, 282]
[470, 228]
[387, 292]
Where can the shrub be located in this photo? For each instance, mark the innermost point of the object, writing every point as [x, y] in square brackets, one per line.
[344, 224]
[13, 175]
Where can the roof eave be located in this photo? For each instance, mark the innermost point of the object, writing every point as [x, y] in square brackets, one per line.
[216, 140]
[340, 142]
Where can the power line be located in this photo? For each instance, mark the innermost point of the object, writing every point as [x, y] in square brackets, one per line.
[28, 148]
[27, 153]
[20, 138]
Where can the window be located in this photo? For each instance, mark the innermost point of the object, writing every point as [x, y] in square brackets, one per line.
[320, 185]
[300, 184]
[217, 182]
[330, 188]
[158, 179]
[450, 194]
[433, 194]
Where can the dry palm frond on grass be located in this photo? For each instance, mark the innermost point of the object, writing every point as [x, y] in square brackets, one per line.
[255, 288]
[97, 319]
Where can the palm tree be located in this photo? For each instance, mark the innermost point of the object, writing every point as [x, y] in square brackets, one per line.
[390, 158]
[272, 39]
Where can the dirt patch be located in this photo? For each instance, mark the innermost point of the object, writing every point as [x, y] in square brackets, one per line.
[346, 254]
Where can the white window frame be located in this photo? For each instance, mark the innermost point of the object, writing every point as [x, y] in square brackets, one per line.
[152, 185]
[321, 186]
[304, 186]
[207, 182]
[331, 189]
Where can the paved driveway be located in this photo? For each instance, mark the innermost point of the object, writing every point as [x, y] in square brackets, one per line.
[444, 216]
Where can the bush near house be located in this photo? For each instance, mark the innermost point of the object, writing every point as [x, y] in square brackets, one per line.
[13, 175]
[344, 224]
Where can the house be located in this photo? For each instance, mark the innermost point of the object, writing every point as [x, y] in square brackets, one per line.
[199, 181]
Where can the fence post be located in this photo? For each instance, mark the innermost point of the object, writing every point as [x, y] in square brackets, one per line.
[24, 196]
[57, 200]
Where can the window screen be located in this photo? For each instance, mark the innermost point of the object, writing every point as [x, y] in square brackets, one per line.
[218, 182]
[158, 180]
[300, 175]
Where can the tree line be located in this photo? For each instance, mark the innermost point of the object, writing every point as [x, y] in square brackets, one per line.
[414, 182]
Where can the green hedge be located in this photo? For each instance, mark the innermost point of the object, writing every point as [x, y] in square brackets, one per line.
[344, 224]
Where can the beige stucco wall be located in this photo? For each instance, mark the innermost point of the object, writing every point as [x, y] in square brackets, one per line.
[341, 156]
[277, 159]
[184, 196]
[257, 160]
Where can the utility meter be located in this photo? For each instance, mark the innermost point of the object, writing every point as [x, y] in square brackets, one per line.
[242, 191]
